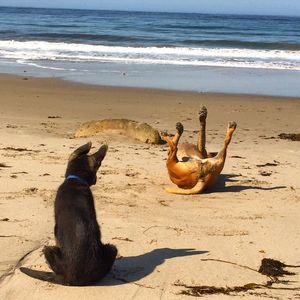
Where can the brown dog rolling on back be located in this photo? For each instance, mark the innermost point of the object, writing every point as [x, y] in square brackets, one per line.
[79, 257]
[198, 169]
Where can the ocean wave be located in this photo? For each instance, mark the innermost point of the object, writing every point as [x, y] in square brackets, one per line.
[84, 37]
[32, 51]
[243, 44]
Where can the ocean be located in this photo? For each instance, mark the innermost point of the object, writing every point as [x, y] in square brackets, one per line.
[195, 52]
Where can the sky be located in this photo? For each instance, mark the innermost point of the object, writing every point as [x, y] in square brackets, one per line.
[260, 7]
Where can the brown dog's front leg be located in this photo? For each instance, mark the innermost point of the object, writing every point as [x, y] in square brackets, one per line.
[179, 129]
[165, 136]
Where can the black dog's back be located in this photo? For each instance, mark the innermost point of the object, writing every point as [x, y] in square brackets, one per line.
[79, 257]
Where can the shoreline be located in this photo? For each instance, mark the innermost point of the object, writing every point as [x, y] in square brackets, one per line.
[247, 81]
[148, 89]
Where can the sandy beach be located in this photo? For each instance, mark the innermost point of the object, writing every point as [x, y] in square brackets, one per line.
[167, 243]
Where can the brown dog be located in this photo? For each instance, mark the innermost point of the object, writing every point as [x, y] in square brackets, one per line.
[198, 169]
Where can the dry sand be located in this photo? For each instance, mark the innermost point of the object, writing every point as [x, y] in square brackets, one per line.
[245, 218]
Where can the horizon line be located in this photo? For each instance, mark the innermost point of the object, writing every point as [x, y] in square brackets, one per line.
[152, 11]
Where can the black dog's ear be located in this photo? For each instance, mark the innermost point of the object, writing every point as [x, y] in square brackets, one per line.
[84, 149]
[100, 154]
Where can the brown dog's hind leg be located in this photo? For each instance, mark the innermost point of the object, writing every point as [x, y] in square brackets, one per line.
[54, 259]
[197, 189]
[202, 132]
[230, 130]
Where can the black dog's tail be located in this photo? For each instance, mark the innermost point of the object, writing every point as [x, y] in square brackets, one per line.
[42, 275]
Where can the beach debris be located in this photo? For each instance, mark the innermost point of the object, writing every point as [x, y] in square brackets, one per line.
[132, 174]
[122, 239]
[273, 164]
[11, 126]
[237, 156]
[45, 174]
[19, 149]
[2, 165]
[31, 190]
[9, 236]
[54, 117]
[21, 172]
[269, 267]
[163, 203]
[140, 131]
[265, 173]
[290, 136]
[201, 290]
[4, 219]
[267, 137]
[274, 268]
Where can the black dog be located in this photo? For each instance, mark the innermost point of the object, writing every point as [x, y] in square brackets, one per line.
[79, 258]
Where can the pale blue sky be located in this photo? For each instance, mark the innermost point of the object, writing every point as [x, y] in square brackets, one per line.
[265, 7]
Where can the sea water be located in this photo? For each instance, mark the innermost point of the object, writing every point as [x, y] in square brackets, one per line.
[195, 52]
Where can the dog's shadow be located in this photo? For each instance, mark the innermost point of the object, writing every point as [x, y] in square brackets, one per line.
[133, 268]
[220, 185]
[125, 269]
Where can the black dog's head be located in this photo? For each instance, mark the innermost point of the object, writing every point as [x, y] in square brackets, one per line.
[86, 166]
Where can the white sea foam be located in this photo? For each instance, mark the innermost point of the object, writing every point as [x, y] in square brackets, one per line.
[24, 62]
[33, 51]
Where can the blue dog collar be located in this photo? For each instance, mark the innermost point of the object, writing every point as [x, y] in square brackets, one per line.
[77, 178]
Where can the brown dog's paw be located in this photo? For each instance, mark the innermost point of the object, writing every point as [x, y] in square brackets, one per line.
[202, 114]
[232, 125]
[164, 133]
[179, 128]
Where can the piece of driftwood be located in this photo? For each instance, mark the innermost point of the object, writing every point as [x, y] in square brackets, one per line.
[140, 131]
